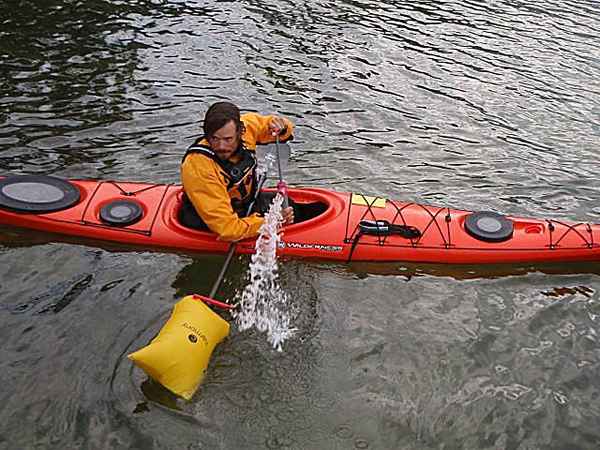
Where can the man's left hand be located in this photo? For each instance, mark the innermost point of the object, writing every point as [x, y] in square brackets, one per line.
[288, 215]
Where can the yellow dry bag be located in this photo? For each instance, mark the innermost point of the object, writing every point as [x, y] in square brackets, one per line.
[178, 356]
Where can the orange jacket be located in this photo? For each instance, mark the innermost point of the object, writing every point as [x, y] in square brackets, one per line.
[205, 183]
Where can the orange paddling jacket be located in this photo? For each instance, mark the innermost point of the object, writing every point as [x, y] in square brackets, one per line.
[218, 197]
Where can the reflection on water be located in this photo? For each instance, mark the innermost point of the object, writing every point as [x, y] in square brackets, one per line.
[68, 71]
[72, 89]
[475, 105]
[466, 271]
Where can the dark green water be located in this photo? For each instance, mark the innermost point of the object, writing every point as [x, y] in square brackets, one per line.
[477, 105]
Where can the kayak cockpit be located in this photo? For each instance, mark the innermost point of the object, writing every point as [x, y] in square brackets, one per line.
[310, 210]
[305, 209]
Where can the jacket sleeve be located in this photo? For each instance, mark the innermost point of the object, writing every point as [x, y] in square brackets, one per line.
[257, 129]
[204, 187]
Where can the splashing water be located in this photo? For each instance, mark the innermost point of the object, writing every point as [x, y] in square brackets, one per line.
[263, 304]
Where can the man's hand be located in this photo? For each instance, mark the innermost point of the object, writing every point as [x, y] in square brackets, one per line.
[277, 126]
[288, 215]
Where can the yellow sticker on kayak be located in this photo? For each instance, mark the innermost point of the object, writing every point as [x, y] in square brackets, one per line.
[365, 200]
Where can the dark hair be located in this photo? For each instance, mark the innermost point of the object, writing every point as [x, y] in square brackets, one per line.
[218, 115]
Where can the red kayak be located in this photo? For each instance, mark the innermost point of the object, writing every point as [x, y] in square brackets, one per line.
[335, 226]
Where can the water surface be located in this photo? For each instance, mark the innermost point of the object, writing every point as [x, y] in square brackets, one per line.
[476, 105]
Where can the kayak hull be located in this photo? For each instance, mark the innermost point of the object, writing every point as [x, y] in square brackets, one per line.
[332, 235]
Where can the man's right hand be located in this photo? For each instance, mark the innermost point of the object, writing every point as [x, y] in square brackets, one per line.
[278, 126]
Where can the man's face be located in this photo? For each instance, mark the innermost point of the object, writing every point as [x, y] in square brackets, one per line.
[225, 141]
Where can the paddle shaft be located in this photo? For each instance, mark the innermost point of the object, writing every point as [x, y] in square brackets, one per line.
[233, 245]
[281, 186]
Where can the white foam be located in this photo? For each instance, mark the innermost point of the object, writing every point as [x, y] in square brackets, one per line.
[263, 304]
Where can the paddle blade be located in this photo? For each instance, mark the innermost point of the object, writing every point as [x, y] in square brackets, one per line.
[267, 157]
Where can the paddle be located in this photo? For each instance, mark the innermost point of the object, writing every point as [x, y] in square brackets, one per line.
[178, 356]
[266, 155]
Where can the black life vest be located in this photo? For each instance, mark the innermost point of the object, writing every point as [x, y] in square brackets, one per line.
[238, 175]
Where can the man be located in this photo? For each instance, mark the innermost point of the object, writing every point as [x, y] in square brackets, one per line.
[218, 171]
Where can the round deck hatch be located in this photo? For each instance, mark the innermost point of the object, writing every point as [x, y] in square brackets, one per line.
[489, 226]
[121, 213]
[37, 193]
